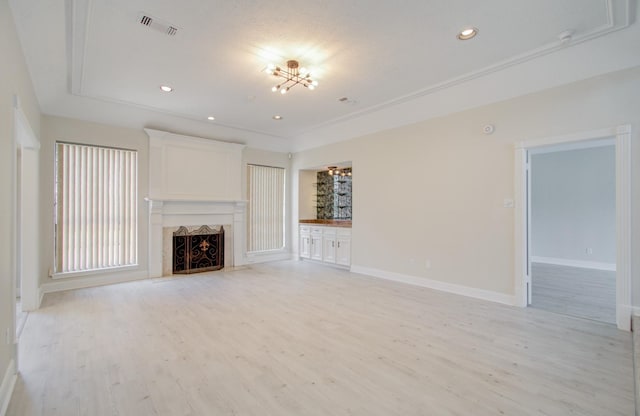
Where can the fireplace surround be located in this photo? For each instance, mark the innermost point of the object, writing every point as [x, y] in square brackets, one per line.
[165, 218]
[194, 181]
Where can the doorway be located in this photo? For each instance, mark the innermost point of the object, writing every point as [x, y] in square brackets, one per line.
[573, 229]
[621, 137]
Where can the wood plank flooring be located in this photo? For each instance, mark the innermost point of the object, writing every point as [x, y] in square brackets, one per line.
[21, 318]
[585, 293]
[294, 338]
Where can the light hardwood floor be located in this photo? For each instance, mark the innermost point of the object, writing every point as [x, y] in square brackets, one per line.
[293, 338]
[585, 293]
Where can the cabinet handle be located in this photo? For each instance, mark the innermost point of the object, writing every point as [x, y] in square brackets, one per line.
[333, 244]
[338, 244]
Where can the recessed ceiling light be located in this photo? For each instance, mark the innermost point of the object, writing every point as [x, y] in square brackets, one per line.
[166, 88]
[277, 117]
[467, 33]
[211, 118]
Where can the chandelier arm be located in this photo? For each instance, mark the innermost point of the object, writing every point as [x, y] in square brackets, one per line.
[292, 76]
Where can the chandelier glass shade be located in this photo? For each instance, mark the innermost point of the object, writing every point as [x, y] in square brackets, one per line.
[290, 76]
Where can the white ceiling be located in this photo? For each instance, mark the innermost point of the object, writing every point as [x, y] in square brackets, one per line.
[93, 60]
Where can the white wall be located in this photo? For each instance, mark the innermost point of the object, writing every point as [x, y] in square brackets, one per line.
[58, 128]
[76, 131]
[307, 190]
[14, 80]
[573, 205]
[440, 194]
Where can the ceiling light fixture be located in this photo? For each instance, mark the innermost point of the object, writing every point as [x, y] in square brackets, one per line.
[166, 88]
[211, 118]
[292, 75]
[467, 33]
[277, 117]
[336, 171]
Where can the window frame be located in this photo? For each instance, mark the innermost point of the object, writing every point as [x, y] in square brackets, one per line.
[53, 272]
[283, 248]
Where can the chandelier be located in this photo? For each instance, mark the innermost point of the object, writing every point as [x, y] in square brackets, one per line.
[292, 75]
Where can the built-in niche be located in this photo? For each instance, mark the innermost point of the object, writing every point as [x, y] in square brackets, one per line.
[333, 196]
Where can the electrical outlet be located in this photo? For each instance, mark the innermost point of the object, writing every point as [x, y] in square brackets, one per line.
[588, 251]
[427, 264]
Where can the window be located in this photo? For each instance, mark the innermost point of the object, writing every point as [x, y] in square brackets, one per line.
[265, 227]
[96, 208]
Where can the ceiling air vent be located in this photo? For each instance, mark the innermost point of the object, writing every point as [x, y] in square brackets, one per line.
[157, 24]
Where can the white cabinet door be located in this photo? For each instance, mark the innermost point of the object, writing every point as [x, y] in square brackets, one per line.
[343, 250]
[329, 249]
[305, 246]
[316, 246]
[305, 242]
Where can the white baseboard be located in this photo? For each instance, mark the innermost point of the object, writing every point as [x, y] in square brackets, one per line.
[6, 388]
[92, 281]
[623, 316]
[575, 263]
[635, 312]
[438, 285]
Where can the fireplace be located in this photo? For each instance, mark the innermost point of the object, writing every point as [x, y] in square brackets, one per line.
[166, 217]
[197, 250]
[177, 197]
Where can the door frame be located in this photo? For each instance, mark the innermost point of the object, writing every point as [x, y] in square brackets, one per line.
[622, 135]
[26, 147]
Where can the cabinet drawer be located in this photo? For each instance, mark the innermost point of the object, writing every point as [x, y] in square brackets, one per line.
[329, 231]
[305, 229]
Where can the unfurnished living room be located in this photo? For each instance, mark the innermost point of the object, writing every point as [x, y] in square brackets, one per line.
[319, 207]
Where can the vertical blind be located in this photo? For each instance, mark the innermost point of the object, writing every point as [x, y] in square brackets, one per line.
[265, 226]
[96, 207]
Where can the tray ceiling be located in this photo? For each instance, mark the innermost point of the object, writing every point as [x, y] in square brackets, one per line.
[377, 54]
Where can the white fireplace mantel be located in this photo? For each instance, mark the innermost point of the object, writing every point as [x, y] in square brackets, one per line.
[192, 182]
[177, 212]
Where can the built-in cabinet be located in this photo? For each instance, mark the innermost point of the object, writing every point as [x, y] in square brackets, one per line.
[326, 244]
[316, 243]
[305, 244]
[343, 249]
[329, 245]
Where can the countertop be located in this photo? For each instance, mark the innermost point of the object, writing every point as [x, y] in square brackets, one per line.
[333, 223]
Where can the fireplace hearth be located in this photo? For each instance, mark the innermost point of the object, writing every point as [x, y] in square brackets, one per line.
[198, 250]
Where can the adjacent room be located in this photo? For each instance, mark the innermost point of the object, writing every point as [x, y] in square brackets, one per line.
[319, 208]
[573, 229]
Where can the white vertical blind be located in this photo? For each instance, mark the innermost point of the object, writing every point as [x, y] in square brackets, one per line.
[265, 228]
[96, 207]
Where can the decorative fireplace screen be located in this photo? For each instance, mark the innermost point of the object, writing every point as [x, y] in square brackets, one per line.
[199, 250]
